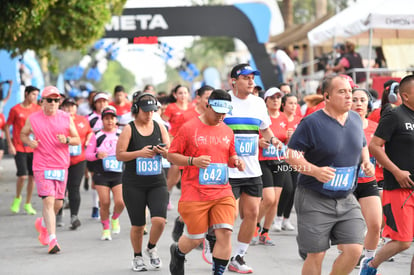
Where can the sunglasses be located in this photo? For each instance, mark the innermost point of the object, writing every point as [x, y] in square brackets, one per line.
[50, 100]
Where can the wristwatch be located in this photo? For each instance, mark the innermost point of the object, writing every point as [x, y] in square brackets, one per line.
[67, 140]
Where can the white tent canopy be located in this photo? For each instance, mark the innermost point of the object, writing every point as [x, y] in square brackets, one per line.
[380, 18]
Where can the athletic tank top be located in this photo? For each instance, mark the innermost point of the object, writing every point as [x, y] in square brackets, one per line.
[130, 175]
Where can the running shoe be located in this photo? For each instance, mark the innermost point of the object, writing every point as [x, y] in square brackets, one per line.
[95, 213]
[15, 207]
[358, 265]
[207, 253]
[255, 239]
[138, 264]
[178, 229]
[287, 225]
[74, 222]
[53, 247]
[366, 269]
[155, 260]
[106, 235]
[116, 228]
[277, 224]
[177, 261]
[43, 235]
[237, 264]
[264, 239]
[29, 209]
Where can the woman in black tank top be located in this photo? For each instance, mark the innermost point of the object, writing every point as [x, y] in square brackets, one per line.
[141, 145]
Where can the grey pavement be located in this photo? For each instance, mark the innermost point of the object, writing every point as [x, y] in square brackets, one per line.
[82, 251]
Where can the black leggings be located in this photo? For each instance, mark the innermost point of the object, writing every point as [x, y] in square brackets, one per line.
[75, 175]
[286, 197]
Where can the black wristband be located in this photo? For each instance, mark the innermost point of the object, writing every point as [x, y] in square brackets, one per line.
[67, 140]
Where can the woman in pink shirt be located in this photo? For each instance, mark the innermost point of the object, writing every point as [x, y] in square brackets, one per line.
[107, 171]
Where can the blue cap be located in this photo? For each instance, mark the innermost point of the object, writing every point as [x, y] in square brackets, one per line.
[243, 69]
[220, 106]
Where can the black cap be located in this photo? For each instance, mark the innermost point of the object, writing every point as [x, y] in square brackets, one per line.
[110, 110]
[69, 100]
[148, 104]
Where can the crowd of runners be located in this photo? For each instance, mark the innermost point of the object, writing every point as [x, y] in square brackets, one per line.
[345, 167]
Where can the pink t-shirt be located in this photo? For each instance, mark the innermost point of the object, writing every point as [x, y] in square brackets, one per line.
[50, 154]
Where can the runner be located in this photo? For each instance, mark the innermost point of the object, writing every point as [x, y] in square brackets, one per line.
[205, 146]
[107, 171]
[327, 148]
[53, 132]
[122, 106]
[23, 154]
[274, 168]
[141, 145]
[247, 119]
[77, 160]
[367, 192]
[396, 132]
[100, 101]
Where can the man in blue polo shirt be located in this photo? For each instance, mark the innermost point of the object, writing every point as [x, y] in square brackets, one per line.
[327, 147]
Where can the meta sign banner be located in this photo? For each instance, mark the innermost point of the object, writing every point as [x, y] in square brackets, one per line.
[249, 22]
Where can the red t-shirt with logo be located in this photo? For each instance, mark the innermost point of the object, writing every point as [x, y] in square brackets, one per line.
[83, 128]
[17, 118]
[196, 139]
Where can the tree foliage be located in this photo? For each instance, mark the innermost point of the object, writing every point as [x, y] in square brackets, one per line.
[66, 24]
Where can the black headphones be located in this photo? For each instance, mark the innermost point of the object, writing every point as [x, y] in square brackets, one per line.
[135, 105]
[369, 95]
[392, 96]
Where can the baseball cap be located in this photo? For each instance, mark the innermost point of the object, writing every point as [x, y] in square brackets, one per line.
[243, 69]
[147, 105]
[272, 91]
[49, 91]
[69, 100]
[220, 106]
[350, 80]
[100, 96]
[110, 110]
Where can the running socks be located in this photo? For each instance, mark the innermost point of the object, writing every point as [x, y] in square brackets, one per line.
[150, 246]
[115, 215]
[105, 224]
[241, 248]
[219, 266]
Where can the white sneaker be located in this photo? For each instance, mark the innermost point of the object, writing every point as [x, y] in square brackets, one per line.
[138, 264]
[286, 225]
[277, 224]
[237, 264]
[207, 255]
[155, 260]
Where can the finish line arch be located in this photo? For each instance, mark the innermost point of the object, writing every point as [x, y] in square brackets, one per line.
[248, 22]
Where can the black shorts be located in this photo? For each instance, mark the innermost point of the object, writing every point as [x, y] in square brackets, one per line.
[137, 198]
[272, 177]
[380, 185]
[109, 179]
[251, 186]
[366, 189]
[24, 164]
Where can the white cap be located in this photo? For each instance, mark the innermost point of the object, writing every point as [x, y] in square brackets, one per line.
[272, 91]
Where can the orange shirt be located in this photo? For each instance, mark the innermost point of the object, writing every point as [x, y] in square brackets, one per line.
[195, 139]
[369, 133]
[17, 118]
[83, 128]
[174, 113]
[279, 129]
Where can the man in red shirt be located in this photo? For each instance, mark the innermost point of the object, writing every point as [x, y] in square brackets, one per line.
[23, 154]
[205, 147]
[122, 105]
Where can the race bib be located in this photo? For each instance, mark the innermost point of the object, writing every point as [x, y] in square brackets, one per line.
[245, 146]
[215, 173]
[361, 173]
[344, 179]
[273, 152]
[149, 166]
[111, 164]
[55, 175]
[75, 150]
